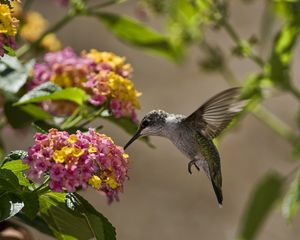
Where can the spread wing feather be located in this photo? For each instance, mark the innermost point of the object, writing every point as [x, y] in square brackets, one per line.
[215, 114]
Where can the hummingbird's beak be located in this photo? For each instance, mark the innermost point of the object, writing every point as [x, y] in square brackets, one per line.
[136, 136]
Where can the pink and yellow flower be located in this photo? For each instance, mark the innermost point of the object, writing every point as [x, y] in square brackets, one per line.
[77, 161]
[103, 75]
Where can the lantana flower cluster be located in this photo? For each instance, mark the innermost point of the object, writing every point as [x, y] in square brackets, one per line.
[103, 75]
[8, 28]
[77, 161]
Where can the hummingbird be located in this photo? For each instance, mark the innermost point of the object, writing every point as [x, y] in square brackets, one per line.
[193, 135]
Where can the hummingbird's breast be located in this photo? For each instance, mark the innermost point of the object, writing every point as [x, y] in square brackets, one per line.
[192, 144]
[184, 139]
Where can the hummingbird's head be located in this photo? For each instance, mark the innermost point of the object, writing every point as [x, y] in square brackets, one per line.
[152, 124]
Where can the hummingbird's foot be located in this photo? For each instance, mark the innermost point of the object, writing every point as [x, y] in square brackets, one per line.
[191, 163]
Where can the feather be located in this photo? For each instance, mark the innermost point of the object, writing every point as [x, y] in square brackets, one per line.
[216, 114]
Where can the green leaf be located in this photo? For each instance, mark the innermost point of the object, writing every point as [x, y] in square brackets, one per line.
[279, 69]
[64, 222]
[37, 223]
[291, 200]
[14, 75]
[15, 155]
[10, 201]
[9, 51]
[126, 124]
[102, 228]
[36, 112]
[14, 114]
[31, 204]
[288, 9]
[17, 167]
[8, 181]
[135, 33]
[10, 205]
[187, 19]
[50, 91]
[261, 202]
[11, 62]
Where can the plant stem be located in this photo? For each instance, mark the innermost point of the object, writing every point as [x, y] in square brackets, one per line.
[235, 37]
[28, 47]
[42, 187]
[255, 58]
[42, 190]
[278, 126]
[71, 118]
[92, 117]
[104, 4]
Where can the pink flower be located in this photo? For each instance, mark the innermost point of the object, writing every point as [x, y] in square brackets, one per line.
[56, 186]
[77, 161]
[97, 100]
[102, 75]
[57, 172]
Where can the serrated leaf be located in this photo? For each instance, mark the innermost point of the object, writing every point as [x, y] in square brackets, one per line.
[102, 228]
[291, 200]
[135, 33]
[50, 91]
[260, 203]
[31, 204]
[38, 223]
[14, 155]
[64, 222]
[10, 205]
[10, 201]
[8, 181]
[14, 77]
[17, 167]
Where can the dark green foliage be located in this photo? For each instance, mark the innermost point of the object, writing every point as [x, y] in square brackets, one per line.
[135, 33]
[72, 217]
[38, 223]
[260, 203]
[104, 229]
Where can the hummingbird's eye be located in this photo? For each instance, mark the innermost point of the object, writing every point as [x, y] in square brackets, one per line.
[145, 123]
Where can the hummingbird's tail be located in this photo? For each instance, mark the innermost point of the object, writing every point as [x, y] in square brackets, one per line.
[218, 192]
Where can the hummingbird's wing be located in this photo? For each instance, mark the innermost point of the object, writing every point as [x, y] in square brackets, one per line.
[215, 114]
